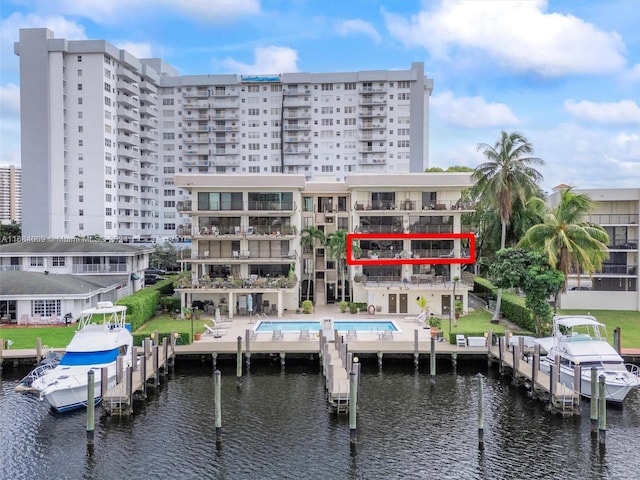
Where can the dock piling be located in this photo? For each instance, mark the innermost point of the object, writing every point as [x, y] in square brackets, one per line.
[104, 381]
[91, 406]
[156, 366]
[577, 383]
[416, 350]
[353, 399]
[247, 342]
[217, 379]
[594, 400]
[535, 368]
[602, 411]
[38, 349]
[238, 360]
[480, 413]
[379, 359]
[282, 357]
[432, 357]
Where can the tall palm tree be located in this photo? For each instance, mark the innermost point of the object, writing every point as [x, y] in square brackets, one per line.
[564, 236]
[509, 174]
[311, 236]
[337, 250]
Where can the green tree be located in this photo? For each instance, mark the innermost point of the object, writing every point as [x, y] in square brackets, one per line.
[507, 175]
[530, 271]
[311, 236]
[10, 233]
[164, 256]
[337, 250]
[565, 238]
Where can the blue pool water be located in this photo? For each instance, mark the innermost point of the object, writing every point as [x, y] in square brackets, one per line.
[341, 325]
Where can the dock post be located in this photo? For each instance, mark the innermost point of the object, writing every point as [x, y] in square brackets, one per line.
[602, 411]
[217, 380]
[129, 377]
[147, 346]
[156, 366]
[91, 406]
[321, 344]
[174, 337]
[104, 381]
[500, 354]
[379, 359]
[552, 385]
[594, 400]
[247, 342]
[516, 363]
[38, 349]
[480, 413]
[353, 407]
[1, 352]
[119, 369]
[416, 350]
[134, 358]
[165, 355]
[143, 373]
[489, 345]
[238, 360]
[282, 356]
[616, 339]
[356, 368]
[535, 366]
[454, 359]
[432, 357]
[577, 382]
[349, 362]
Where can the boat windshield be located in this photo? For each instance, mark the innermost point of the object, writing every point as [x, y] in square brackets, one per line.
[89, 358]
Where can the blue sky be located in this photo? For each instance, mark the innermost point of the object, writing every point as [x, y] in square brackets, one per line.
[566, 74]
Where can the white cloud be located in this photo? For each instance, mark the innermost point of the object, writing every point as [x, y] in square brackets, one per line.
[518, 34]
[111, 11]
[633, 75]
[140, 50]
[357, 26]
[471, 112]
[269, 59]
[588, 158]
[10, 124]
[622, 112]
[10, 100]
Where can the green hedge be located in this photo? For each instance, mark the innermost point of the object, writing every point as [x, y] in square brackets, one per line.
[142, 305]
[512, 307]
[138, 338]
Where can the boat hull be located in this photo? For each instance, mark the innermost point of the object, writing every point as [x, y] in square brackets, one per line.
[69, 390]
[618, 384]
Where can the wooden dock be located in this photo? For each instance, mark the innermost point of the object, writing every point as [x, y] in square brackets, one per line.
[525, 369]
[336, 363]
[147, 371]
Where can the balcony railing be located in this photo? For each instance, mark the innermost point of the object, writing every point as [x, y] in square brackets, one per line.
[253, 282]
[102, 268]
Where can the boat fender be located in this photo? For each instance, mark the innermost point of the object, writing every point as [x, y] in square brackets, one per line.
[371, 309]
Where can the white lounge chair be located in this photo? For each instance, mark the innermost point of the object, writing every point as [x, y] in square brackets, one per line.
[386, 335]
[305, 335]
[461, 341]
[216, 332]
[352, 335]
[277, 335]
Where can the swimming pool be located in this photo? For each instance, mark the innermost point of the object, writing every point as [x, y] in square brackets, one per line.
[314, 326]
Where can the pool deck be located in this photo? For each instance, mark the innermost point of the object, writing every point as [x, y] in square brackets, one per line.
[372, 343]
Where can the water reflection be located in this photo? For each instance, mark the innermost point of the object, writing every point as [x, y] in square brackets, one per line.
[278, 425]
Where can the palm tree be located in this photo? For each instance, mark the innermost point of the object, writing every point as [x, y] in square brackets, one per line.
[567, 240]
[337, 250]
[311, 236]
[509, 174]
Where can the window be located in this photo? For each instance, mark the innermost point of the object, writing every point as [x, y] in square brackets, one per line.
[167, 101]
[169, 226]
[58, 261]
[403, 96]
[253, 88]
[79, 100]
[349, 86]
[169, 204]
[45, 308]
[403, 84]
[36, 261]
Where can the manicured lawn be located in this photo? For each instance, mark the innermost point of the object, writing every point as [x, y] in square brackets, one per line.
[25, 337]
[629, 323]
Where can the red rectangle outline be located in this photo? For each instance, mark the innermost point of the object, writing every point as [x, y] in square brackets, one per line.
[411, 261]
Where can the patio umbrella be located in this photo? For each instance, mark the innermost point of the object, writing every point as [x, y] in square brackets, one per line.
[249, 303]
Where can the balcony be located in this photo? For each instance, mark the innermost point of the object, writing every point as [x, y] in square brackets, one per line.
[233, 283]
[101, 268]
[275, 206]
[127, 100]
[203, 93]
[150, 110]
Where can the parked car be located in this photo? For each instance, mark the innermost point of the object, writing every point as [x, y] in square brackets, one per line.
[151, 278]
[154, 271]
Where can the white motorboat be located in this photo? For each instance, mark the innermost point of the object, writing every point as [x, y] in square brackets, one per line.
[93, 347]
[582, 340]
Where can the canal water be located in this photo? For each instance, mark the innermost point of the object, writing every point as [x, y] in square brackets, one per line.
[278, 426]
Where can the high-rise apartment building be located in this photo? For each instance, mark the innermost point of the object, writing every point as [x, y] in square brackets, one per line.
[10, 194]
[104, 133]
